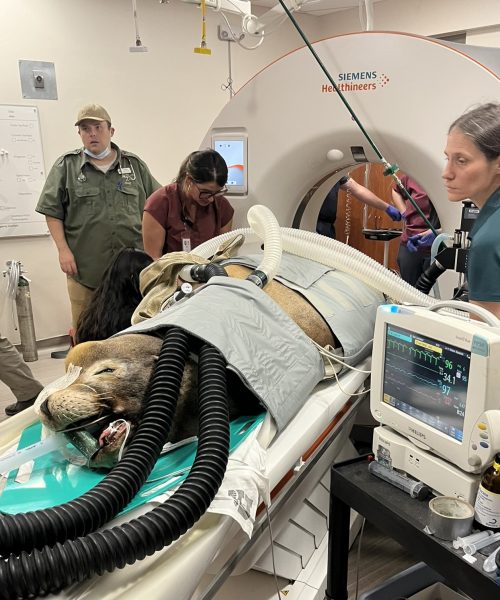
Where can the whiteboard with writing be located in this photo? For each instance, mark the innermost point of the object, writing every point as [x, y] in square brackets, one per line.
[22, 172]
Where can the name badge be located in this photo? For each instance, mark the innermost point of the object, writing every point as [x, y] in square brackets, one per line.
[186, 244]
[124, 171]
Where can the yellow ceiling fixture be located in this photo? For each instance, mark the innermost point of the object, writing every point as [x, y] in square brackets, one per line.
[203, 48]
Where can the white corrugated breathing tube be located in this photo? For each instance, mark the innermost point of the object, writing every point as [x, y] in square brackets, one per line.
[325, 251]
[264, 224]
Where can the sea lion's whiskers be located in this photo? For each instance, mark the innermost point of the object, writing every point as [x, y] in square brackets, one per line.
[103, 405]
[79, 427]
[88, 386]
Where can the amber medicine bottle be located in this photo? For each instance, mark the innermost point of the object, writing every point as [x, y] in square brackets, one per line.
[487, 506]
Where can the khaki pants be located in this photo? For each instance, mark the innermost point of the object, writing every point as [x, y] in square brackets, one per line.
[16, 374]
[79, 297]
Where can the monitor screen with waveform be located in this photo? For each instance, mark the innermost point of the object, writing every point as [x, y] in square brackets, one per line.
[426, 379]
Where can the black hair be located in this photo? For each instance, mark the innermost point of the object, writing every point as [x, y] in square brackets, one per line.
[113, 302]
[482, 125]
[204, 166]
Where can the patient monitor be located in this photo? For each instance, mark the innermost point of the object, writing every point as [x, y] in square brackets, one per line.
[436, 392]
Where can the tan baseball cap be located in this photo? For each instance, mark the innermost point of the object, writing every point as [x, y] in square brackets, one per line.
[93, 111]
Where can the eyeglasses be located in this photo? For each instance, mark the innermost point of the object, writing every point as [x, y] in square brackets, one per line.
[206, 195]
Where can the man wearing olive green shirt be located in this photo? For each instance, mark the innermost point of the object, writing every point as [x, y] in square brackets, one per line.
[93, 200]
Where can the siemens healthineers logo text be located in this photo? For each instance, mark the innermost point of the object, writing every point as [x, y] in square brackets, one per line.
[358, 81]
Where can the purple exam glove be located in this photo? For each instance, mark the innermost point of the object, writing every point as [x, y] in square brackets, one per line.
[420, 241]
[393, 213]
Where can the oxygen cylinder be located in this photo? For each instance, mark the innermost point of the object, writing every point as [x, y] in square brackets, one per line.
[25, 320]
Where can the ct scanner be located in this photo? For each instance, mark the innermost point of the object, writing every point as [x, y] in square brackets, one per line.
[414, 87]
[291, 119]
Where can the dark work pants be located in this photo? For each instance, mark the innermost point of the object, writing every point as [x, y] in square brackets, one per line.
[412, 264]
[16, 374]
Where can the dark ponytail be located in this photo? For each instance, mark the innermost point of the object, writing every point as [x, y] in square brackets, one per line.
[204, 166]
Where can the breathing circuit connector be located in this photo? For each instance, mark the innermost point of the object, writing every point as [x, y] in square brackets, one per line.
[258, 277]
[202, 273]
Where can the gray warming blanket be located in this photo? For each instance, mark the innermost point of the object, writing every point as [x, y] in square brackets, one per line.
[348, 305]
[270, 353]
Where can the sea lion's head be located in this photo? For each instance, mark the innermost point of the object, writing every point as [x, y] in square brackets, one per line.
[110, 388]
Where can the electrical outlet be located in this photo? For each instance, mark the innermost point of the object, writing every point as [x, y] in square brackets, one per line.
[225, 35]
[39, 79]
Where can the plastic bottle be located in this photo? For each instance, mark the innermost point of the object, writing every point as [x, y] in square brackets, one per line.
[487, 506]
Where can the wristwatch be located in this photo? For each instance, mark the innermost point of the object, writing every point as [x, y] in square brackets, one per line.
[344, 180]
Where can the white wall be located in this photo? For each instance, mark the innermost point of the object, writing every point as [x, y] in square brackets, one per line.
[484, 36]
[424, 17]
[162, 102]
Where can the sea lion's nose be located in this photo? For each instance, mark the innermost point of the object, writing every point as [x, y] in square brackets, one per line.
[44, 408]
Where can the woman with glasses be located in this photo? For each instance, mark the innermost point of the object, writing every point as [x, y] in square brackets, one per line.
[191, 210]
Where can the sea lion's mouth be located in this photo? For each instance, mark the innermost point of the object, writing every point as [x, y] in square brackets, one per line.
[114, 431]
[105, 428]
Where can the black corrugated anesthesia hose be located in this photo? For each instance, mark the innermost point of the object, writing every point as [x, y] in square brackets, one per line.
[96, 507]
[429, 277]
[52, 569]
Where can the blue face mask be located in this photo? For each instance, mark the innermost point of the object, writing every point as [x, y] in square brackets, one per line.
[101, 155]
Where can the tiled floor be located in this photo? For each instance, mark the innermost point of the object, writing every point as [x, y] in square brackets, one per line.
[380, 556]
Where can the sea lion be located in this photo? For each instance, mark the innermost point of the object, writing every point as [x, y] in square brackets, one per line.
[115, 375]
